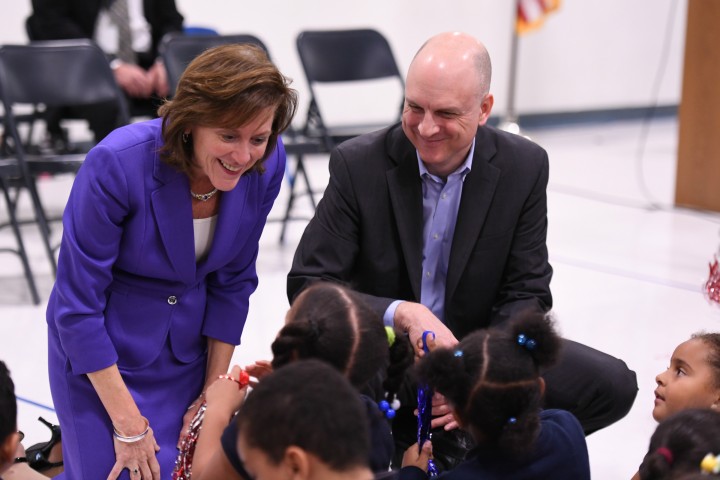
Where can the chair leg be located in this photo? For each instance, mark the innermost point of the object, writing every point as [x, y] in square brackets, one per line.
[42, 222]
[300, 170]
[22, 253]
[292, 180]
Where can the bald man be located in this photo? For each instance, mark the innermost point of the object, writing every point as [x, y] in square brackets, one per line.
[441, 222]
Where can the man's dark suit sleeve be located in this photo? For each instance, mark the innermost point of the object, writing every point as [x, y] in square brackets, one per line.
[163, 17]
[67, 19]
[329, 246]
[57, 20]
[527, 273]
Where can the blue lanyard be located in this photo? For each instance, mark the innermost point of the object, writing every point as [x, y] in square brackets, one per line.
[424, 399]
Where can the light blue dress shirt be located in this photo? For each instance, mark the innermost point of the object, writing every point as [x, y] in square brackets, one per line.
[441, 202]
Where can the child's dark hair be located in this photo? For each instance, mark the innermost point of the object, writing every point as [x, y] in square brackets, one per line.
[680, 442]
[333, 323]
[310, 405]
[712, 340]
[8, 403]
[492, 379]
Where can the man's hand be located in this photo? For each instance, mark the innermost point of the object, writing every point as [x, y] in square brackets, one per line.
[158, 78]
[442, 413]
[134, 81]
[415, 318]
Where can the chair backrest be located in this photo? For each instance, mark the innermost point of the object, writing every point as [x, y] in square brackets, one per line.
[345, 55]
[347, 58]
[179, 50]
[58, 73]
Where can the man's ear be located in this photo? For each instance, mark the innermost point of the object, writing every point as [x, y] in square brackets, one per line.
[485, 108]
[297, 462]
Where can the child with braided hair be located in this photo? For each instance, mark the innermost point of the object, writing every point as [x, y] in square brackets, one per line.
[680, 445]
[331, 323]
[492, 382]
[691, 380]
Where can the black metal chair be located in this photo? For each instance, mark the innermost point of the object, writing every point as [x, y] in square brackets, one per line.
[179, 50]
[52, 74]
[343, 57]
[9, 173]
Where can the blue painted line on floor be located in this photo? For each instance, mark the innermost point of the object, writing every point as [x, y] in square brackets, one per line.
[628, 274]
[35, 404]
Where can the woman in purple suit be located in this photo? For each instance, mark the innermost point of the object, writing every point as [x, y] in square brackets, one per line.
[157, 263]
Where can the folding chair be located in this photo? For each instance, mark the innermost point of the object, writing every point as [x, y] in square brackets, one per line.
[9, 172]
[350, 58]
[179, 50]
[344, 57]
[53, 74]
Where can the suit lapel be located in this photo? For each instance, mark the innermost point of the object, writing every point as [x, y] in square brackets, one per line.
[405, 190]
[173, 214]
[477, 194]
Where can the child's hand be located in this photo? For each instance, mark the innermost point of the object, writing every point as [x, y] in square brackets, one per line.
[412, 458]
[258, 370]
[225, 396]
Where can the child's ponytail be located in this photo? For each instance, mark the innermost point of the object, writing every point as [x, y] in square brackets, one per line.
[535, 334]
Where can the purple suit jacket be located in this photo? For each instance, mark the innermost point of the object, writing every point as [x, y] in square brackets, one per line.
[127, 276]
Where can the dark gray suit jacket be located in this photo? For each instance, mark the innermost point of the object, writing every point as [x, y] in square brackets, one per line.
[367, 230]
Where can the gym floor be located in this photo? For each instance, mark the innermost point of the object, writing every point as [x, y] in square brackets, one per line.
[629, 270]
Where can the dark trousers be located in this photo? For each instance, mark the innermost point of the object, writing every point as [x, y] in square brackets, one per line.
[102, 118]
[595, 387]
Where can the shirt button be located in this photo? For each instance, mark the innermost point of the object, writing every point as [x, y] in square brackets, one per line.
[427, 274]
[443, 196]
[435, 236]
[172, 299]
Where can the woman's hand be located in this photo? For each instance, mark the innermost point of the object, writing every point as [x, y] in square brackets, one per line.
[137, 453]
[412, 458]
[138, 457]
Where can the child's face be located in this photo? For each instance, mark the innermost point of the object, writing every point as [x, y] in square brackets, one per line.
[689, 381]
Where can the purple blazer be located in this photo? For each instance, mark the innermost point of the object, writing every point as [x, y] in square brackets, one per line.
[127, 277]
[130, 292]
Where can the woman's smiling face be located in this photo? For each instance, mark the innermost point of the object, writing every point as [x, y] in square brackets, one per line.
[222, 155]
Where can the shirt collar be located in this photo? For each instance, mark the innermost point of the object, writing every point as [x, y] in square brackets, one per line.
[463, 169]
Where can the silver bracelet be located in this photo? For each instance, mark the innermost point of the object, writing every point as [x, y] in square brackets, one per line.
[134, 438]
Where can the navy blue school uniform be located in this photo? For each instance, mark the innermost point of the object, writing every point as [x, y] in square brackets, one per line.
[381, 451]
[560, 452]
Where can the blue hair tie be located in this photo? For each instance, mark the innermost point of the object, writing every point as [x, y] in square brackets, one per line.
[512, 421]
[458, 353]
[526, 342]
[389, 409]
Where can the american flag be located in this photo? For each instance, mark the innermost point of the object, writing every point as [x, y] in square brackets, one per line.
[531, 13]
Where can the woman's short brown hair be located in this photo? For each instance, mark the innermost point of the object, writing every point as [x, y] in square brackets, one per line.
[225, 87]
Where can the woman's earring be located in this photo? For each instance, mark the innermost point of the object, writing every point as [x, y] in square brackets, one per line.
[185, 137]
